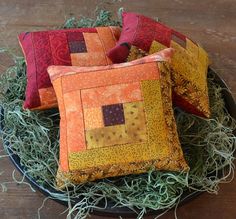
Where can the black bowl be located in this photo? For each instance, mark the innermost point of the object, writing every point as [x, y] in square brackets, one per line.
[124, 211]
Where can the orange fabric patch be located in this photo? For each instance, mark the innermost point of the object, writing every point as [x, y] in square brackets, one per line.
[97, 44]
[115, 32]
[93, 118]
[95, 53]
[88, 59]
[93, 43]
[106, 37]
[110, 77]
[120, 93]
[47, 97]
[74, 112]
[64, 164]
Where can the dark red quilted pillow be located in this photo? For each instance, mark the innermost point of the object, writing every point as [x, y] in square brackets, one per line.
[139, 31]
[79, 47]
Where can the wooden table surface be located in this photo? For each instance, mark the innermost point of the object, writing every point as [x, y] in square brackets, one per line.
[210, 22]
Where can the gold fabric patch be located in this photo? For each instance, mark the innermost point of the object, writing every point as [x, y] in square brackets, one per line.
[156, 46]
[135, 121]
[189, 73]
[135, 53]
[107, 136]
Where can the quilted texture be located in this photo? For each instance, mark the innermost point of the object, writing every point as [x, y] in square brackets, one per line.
[80, 47]
[142, 35]
[116, 120]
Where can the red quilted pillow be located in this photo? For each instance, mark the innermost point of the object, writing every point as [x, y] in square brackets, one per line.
[139, 31]
[141, 36]
[79, 47]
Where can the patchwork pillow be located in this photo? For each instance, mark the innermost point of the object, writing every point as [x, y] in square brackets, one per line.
[116, 120]
[142, 35]
[80, 47]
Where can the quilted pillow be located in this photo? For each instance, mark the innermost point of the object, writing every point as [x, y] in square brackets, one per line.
[116, 120]
[142, 35]
[80, 47]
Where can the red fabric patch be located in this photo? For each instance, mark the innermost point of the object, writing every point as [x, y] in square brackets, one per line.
[180, 35]
[145, 33]
[163, 34]
[43, 57]
[119, 53]
[31, 93]
[59, 48]
[180, 101]
[75, 35]
[141, 31]
[130, 25]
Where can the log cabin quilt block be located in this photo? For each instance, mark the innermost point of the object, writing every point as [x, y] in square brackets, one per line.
[116, 120]
[142, 35]
[77, 47]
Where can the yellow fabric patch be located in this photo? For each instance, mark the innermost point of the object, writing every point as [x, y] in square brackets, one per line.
[93, 118]
[76, 139]
[135, 53]
[184, 63]
[135, 121]
[107, 136]
[155, 117]
[203, 59]
[189, 73]
[156, 47]
[192, 48]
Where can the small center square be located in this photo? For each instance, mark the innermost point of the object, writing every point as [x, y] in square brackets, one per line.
[77, 47]
[113, 114]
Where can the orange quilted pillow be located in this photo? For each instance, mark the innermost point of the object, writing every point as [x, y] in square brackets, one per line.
[116, 120]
